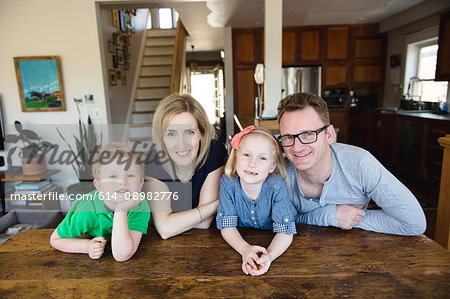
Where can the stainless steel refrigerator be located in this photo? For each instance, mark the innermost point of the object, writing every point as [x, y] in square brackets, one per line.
[298, 79]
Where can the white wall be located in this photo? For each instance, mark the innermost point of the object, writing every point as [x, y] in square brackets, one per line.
[64, 28]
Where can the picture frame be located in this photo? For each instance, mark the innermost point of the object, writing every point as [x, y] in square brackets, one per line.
[123, 18]
[119, 54]
[115, 18]
[110, 47]
[112, 77]
[125, 52]
[115, 38]
[123, 78]
[39, 82]
[115, 61]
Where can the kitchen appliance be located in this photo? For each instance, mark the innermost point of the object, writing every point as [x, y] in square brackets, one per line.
[298, 79]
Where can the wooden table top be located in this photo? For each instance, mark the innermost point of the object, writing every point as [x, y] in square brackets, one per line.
[321, 262]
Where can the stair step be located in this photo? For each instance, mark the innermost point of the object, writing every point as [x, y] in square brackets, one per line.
[154, 81]
[158, 55]
[147, 100]
[142, 131]
[145, 105]
[159, 70]
[153, 87]
[142, 118]
[152, 93]
[161, 32]
[143, 112]
[161, 50]
[157, 60]
[159, 41]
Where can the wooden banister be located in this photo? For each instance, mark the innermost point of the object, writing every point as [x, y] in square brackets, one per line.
[178, 54]
[442, 235]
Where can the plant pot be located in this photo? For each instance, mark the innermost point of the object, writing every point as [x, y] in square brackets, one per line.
[32, 166]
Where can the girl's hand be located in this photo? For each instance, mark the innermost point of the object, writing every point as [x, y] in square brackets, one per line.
[96, 247]
[249, 256]
[263, 264]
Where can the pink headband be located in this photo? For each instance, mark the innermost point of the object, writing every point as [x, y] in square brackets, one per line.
[236, 141]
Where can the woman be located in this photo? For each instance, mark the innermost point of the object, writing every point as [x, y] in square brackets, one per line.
[184, 182]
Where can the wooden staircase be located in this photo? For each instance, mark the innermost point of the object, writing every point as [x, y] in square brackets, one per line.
[153, 82]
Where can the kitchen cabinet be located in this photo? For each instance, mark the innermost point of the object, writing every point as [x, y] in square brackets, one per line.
[335, 75]
[289, 48]
[367, 74]
[371, 48]
[339, 119]
[247, 46]
[352, 58]
[310, 46]
[443, 59]
[405, 144]
[337, 42]
[244, 90]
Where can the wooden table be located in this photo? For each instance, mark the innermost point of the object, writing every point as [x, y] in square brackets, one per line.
[321, 262]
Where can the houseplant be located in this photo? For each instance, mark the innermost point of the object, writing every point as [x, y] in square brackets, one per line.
[32, 149]
[86, 145]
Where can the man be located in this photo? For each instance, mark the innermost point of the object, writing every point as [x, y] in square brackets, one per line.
[332, 183]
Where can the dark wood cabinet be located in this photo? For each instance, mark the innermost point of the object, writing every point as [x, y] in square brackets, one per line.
[289, 48]
[337, 42]
[405, 144]
[309, 46]
[370, 73]
[339, 119]
[371, 48]
[244, 88]
[443, 60]
[335, 75]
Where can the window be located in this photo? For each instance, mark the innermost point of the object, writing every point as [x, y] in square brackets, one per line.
[168, 18]
[420, 68]
[149, 20]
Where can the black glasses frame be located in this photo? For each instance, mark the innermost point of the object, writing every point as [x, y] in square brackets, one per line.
[317, 132]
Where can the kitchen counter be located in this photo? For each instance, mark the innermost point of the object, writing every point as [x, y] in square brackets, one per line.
[421, 114]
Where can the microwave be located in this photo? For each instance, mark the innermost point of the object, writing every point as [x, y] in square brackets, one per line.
[336, 101]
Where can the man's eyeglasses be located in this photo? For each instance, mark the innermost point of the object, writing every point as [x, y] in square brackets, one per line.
[304, 137]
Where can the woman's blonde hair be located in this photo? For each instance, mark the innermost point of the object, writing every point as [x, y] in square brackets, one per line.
[230, 166]
[175, 104]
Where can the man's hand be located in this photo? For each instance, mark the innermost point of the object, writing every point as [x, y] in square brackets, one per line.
[249, 256]
[96, 247]
[349, 216]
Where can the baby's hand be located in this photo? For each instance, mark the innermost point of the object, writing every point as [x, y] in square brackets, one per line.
[96, 247]
[249, 256]
[263, 264]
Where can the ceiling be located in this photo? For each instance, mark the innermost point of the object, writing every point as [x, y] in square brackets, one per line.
[205, 19]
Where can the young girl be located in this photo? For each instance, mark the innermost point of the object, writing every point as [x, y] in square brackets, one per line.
[255, 198]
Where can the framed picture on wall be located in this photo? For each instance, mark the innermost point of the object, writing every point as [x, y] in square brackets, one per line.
[110, 47]
[112, 77]
[40, 83]
[119, 54]
[123, 18]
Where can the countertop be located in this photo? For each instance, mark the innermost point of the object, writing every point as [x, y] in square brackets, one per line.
[421, 114]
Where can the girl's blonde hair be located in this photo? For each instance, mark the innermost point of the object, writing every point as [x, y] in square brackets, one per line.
[169, 107]
[230, 166]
